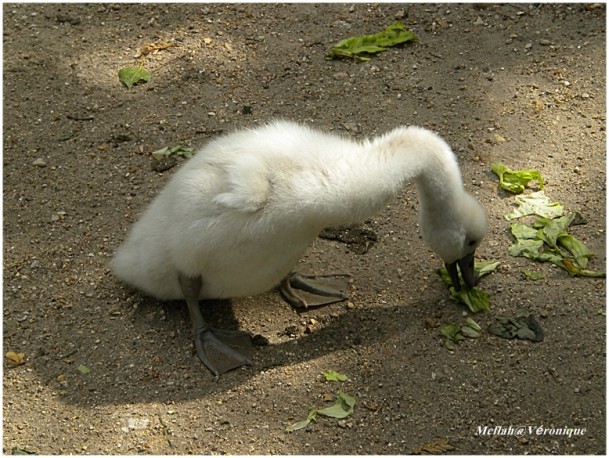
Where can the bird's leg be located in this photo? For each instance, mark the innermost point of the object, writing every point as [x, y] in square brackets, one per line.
[313, 293]
[217, 349]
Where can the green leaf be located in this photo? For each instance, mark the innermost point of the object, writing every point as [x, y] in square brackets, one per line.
[578, 250]
[550, 242]
[341, 409]
[301, 424]
[469, 322]
[482, 267]
[369, 44]
[535, 203]
[485, 267]
[22, 451]
[515, 181]
[333, 376]
[83, 369]
[455, 333]
[469, 332]
[476, 299]
[526, 247]
[532, 274]
[522, 232]
[133, 75]
[452, 334]
[66, 136]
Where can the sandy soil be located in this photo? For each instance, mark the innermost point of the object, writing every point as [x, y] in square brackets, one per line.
[520, 84]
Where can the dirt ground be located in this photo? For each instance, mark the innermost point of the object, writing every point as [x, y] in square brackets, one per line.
[522, 84]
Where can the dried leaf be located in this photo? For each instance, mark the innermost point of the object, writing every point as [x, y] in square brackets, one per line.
[177, 150]
[154, 47]
[16, 359]
[522, 326]
[434, 447]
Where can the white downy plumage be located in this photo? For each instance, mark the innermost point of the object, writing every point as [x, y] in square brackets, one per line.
[242, 211]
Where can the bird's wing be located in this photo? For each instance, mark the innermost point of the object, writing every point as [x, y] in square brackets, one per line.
[247, 186]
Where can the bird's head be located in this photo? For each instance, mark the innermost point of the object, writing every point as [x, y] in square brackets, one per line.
[454, 233]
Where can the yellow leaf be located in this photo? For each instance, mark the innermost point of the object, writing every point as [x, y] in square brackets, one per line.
[154, 47]
[16, 358]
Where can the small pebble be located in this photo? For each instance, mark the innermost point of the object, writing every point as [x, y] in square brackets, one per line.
[39, 162]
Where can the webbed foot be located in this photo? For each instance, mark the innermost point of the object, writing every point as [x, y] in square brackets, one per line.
[222, 351]
[314, 293]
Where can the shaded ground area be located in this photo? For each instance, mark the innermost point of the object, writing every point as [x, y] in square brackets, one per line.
[520, 84]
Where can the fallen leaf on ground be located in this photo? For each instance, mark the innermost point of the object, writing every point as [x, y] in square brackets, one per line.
[83, 369]
[354, 47]
[536, 203]
[16, 359]
[515, 181]
[22, 451]
[333, 376]
[475, 299]
[133, 75]
[455, 333]
[434, 447]
[176, 150]
[342, 408]
[452, 334]
[154, 47]
[66, 136]
[303, 423]
[548, 241]
[522, 326]
[532, 275]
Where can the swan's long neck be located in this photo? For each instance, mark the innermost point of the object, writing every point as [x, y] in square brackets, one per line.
[422, 156]
[364, 180]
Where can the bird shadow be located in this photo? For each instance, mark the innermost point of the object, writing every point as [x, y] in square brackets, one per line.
[169, 372]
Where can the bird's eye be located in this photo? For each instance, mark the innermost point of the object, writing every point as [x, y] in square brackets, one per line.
[471, 243]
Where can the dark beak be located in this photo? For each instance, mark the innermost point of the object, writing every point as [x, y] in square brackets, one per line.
[468, 273]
